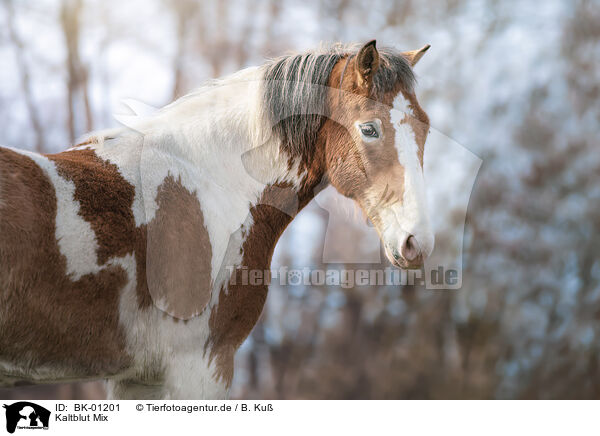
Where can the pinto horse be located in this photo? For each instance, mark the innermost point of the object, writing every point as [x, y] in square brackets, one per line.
[116, 256]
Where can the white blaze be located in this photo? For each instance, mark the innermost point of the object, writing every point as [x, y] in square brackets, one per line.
[411, 215]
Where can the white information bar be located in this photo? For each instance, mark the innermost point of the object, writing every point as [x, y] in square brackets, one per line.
[300, 417]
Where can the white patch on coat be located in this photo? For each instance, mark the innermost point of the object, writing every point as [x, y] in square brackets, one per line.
[172, 349]
[411, 214]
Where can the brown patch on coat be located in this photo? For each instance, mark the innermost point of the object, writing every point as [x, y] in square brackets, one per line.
[46, 319]
[105, 199]
[240, 304]
[144, 299]
[179, 252]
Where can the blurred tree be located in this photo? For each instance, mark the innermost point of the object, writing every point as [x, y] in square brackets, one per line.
[77, 73]
[23, 71]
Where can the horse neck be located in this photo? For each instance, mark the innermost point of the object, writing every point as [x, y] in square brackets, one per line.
[265, 188]
[279, 203]
[222, 134]
[241, 298]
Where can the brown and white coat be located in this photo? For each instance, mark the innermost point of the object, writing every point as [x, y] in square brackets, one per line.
[116, 255]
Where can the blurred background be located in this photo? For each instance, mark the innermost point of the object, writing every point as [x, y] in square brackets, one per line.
[515, 82]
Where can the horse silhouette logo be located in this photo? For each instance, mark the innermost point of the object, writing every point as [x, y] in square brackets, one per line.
[26, 415]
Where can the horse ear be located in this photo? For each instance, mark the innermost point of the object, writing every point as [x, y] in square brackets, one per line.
[367, 62]
[413, 56]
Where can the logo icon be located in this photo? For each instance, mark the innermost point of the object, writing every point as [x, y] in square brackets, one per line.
[26, 415]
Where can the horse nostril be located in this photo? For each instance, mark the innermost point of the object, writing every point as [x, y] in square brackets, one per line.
[410, 248]
[396, 254]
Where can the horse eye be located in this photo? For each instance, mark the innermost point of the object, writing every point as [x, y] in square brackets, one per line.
[369, 130]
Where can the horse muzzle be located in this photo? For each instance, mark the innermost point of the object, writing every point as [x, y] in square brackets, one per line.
[408, 251]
